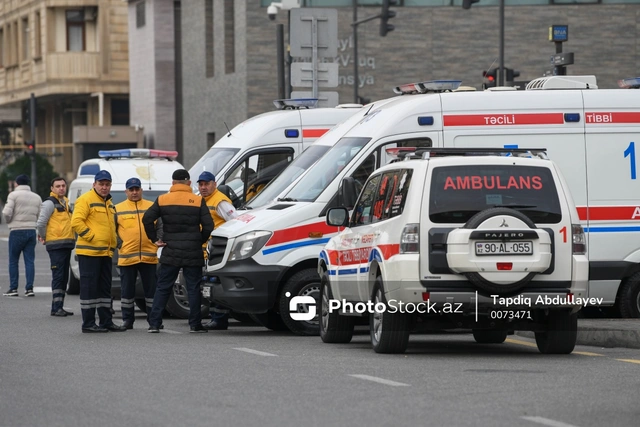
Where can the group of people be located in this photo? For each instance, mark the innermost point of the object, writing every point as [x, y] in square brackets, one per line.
[180, 222]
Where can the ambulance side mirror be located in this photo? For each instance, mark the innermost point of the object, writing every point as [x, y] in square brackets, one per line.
[337, 217]
[347, 193]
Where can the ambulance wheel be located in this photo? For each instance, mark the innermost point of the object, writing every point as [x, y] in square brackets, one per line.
[178, 304]
[73, 288]
[561, 335]
[483, 336]
[334, 328]
[389, 331]
[629, 297]
[270, 320]
[304, 283]
[476, 278]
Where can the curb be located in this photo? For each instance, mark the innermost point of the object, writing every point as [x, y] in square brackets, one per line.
[612, 333]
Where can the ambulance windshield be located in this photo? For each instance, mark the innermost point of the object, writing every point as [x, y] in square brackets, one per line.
[326, 170]
[300, 164]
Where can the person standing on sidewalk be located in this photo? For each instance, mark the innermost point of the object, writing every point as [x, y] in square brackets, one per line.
[221, 210]
[93, 220]
[21, 213]
[55, 232]
[136, 253]
[186, 224]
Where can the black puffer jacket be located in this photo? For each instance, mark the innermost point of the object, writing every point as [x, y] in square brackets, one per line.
[186, 224]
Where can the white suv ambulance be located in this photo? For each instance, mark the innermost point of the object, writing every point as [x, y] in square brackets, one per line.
[589, 133]
[153, 167]
[458, 238]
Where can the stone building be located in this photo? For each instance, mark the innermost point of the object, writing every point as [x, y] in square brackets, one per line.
[73, 56]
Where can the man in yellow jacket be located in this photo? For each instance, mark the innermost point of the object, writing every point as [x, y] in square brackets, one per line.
[136, 253]
[54, 231]
[221, 210]
[94, 223]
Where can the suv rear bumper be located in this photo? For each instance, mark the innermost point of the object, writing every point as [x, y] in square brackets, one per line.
[243, 286]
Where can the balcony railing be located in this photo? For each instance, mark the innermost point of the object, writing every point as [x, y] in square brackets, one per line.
[70, 65]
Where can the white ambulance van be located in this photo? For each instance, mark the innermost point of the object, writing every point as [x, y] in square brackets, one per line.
[258, 149]
[154, 169]
[261, 260]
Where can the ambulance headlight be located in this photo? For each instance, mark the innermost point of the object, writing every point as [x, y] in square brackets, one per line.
[248, 245]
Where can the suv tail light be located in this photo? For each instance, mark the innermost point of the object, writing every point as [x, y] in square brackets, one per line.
[410, 239]
[579, 240]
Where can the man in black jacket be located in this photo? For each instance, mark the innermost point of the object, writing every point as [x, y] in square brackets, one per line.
[186, 225]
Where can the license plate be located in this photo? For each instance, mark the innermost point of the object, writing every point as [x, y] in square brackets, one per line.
[206, 291]
[504, 248]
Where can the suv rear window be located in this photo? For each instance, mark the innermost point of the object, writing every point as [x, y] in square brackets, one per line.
[459, 192]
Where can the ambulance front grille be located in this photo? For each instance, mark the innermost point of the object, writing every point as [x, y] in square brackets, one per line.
[217, 246]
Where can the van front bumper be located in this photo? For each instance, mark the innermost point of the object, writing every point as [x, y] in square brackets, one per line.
[243, 286]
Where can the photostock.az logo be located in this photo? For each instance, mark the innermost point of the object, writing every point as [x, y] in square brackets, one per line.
[307, 303]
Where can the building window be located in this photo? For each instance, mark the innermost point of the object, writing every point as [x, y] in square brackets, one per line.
[37, 35]
[120, 112]
[75, 30]
[208, 37]
[25, 39]
[140, 14]
[15, 51]
[229, 37]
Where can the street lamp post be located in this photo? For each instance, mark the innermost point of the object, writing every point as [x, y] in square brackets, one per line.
[466, 4]
[272, 11]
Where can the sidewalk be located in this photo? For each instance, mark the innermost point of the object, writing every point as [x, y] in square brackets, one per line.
[606, 333]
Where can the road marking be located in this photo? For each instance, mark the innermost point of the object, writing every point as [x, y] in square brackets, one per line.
[42, 289]
[525, 343]
[629, 360]
[547, 422]
[4, 239]
[259, 353]
[380, 380]
[587, 353]
[167, 331]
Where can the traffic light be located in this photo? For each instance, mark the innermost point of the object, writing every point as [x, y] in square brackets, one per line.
[490, 78]
[29, 147]
[511, 74]
[385, 15]
[466, 4]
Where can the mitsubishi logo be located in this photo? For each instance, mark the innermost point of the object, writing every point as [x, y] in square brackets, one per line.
[504, 223]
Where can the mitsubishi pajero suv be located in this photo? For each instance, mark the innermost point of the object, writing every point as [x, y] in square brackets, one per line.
[481, 239]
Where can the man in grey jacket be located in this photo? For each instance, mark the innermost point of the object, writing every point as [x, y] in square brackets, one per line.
[21, 213]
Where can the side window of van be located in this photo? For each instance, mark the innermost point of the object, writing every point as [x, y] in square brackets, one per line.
[364, 208]
[250, 176]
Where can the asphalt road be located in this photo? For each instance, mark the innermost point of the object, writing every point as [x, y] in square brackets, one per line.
[51, 374]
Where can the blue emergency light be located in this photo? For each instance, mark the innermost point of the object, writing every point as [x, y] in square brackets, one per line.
[631, 83]
[130, 153]
[291, 133]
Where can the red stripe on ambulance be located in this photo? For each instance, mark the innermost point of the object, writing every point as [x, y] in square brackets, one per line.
[504, 119]
[313, 133]
[301, 232]
[609, 213]
[602, 118]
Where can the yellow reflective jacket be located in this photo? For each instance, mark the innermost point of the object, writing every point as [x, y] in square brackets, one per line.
[136, 246]
[59, 233]
[94, 221]
[212, 203]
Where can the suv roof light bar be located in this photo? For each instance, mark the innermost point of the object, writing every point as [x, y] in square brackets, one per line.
[630, 83]
[434, 86]
[295, 104]
[140, 153]
[427, 153]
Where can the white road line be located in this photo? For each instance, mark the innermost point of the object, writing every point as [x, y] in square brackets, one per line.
[42, 290]
[167, 331]
[380, 380]
[259, 353]
[4, 239]
[547, 422]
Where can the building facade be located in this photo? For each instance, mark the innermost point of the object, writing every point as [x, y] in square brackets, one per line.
[73, 56]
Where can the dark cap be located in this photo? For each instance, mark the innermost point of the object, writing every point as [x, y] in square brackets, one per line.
[133, 182]
[180, 175]
[22, 180]
[206, 176]
[102, 176]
